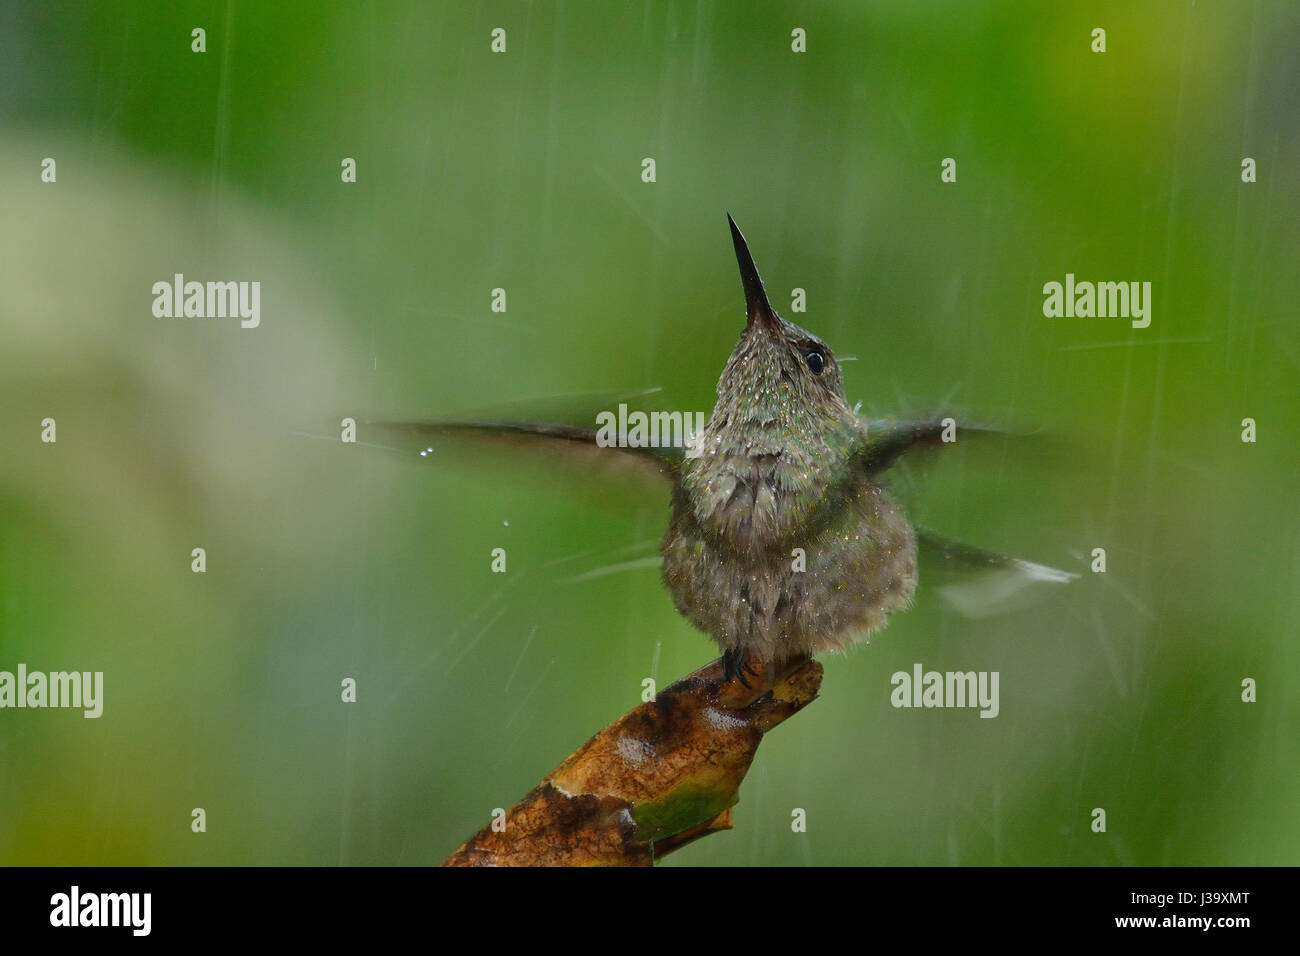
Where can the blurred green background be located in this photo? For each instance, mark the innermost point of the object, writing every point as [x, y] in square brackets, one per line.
[523, 171]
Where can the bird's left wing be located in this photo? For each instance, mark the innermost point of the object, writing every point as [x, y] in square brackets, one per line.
[888, 440]
[981, 583]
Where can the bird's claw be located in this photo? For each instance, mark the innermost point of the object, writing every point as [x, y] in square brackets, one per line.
[735, 664]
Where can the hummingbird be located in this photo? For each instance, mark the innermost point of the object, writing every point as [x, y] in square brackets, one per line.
[783, 539]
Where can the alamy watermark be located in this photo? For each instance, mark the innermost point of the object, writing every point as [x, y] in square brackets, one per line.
[1103, 300]
[624, 429]
[208, 300]
[74, 689]
[76, 908]
[923, 688]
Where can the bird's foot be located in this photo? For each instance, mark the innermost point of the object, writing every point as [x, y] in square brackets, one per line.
[735, 664]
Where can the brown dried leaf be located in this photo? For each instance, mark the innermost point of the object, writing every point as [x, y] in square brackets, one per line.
[662, 775]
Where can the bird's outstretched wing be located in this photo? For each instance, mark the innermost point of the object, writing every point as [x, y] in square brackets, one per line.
[981, 583]
[578, 443]
[887, 440]
[552, 434]
[563, 457]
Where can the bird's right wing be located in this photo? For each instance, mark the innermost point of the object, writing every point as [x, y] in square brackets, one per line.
[451, 441]
[546, 436]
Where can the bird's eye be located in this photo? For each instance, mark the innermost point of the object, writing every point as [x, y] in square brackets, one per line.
[815, 361]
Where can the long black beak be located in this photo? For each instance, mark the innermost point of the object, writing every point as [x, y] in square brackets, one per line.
[757, 308]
